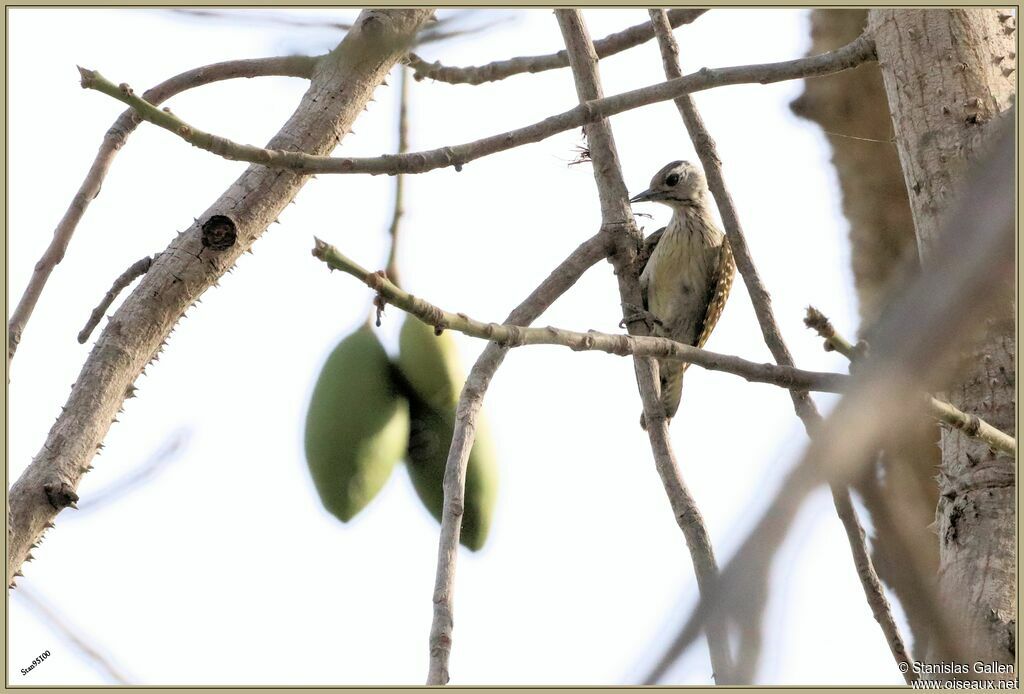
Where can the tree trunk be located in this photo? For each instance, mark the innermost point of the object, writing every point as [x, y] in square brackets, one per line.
[949, 76]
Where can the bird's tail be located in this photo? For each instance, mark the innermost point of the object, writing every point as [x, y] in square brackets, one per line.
[671, 388]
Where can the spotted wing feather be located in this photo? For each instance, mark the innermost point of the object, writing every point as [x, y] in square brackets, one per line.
[724, 275]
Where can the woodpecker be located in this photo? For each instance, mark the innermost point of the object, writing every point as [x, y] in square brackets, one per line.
[688, 273]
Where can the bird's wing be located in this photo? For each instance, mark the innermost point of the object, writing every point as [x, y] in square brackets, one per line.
[650, 241]
[719, 291]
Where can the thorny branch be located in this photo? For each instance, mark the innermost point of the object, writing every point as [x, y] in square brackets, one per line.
[510, 336]
[137, 332]
[500, 69]
[287, 66]
[804, 406]
[456, 156]
[969, 425]
[616, 214]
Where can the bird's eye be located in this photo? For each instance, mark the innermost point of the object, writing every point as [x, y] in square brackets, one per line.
[672, 180]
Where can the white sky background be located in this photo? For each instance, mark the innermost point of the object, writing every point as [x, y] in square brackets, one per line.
[225, 569]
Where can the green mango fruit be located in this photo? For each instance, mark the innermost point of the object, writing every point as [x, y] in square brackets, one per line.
[357, 425]
[429, 365]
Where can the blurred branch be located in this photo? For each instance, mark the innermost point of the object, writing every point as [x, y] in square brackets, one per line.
[136, 270]
[170, 449]
[434, 34]
[802, 402]
[510, 336]
[617, 217]
[913, 339]
[456, 156]
[969, 425]
[499, 70]
[262, 17]
[78, 640]
[561, 279]
[113, 141]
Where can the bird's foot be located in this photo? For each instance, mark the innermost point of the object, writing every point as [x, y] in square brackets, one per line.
[635, 314]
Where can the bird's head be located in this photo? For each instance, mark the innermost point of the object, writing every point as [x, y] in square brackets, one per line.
[679, 184]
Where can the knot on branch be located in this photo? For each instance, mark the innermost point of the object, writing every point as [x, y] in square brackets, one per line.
[586, 342]
[60, 495]
[435, 317]
[621, 346]
[514, 336]
[220, 233]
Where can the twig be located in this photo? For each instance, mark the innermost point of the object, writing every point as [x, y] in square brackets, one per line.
[804, 406]
[510, 336]
[969, 425]
[287, 66]
[913, 339]
[136, 270]
[136, 333]
[588, 254]
[403, 147]
[617, 217]
[456, 156]
[499, 70]
[79, 641]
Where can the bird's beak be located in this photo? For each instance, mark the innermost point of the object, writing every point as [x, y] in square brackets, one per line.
[648, 195]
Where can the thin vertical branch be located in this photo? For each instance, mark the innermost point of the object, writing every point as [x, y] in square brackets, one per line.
[403, 147]
[617, 219]
[802, 402]
[588, 254]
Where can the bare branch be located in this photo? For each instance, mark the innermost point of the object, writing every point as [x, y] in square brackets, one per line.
[499, 70]
[510, 336]
[457, 156]
[136, 333]
[588, 254]
[287, 66]
[968, 424]
[804, 406]
[617, 217]
[403, 146]
[136, 270]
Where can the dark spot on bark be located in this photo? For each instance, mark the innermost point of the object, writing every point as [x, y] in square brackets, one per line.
[60, 495]
[219, 233]
[955, 516]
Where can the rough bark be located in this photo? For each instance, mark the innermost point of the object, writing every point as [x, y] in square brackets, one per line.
[852, 109]
[342, 83]
[950, 80]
